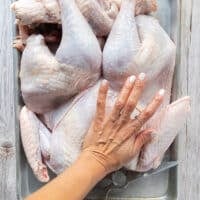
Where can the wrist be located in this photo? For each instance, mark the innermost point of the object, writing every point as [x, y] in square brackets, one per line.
[90, 165]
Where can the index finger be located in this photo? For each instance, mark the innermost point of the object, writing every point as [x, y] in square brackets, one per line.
[122, 98]
[133, 97]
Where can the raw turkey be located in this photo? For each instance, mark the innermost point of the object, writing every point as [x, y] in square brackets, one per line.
[99, 13]
[139, 44]
[134, 45]
[48, 80]
[31, 128]
[52, 34]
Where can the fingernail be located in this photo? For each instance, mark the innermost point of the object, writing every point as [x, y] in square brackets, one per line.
[104, 82]
[142, 76]
[132, 79]
[162, 92]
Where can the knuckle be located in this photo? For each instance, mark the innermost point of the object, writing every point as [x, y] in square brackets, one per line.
[100, 100]
[112, 119]
[133, 126]
[99, 104]
[122, 120]
[129, 108]
[136, 127]
[119, 104]
[127, 86]
[100, 118]
[148, 113]
[131, 103]
[139, 84]
[102, 91]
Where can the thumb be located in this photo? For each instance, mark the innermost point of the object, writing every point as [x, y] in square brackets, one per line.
[143, 138]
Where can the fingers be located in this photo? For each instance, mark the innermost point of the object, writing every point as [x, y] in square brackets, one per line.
[134, 125]
[143, 138]
[101, 102]
[108, 130]
[133, 97]
[151, 108]
[122, 98]
[130, 104]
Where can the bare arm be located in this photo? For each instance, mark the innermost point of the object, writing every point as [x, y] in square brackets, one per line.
[110, 142]
[74, 183]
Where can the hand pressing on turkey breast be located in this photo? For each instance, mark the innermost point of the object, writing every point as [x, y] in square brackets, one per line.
[61, 148]
[139, 44]
[111, 142]
[115, 139]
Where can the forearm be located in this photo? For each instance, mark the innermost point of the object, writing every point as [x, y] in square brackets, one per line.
[74, 183]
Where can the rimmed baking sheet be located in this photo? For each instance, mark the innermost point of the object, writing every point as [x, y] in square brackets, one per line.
[157, 187]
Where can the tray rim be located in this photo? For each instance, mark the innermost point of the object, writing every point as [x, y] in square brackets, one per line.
[19, 152]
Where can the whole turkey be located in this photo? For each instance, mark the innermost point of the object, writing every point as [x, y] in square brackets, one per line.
[62, 88]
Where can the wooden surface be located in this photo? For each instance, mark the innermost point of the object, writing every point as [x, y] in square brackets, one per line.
[186, 82]
[8, 172]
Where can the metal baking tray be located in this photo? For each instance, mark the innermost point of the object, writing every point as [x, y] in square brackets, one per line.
[161, 186]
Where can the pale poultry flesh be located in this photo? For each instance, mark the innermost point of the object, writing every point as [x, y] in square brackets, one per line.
[100, 14]
[62, 88]
[48, 80]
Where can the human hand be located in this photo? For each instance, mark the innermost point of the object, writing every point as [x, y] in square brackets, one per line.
[110, 142]
[114, 140]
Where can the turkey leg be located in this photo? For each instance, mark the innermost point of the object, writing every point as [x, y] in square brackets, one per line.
[31, 128]
[99, 13]
[47, 80]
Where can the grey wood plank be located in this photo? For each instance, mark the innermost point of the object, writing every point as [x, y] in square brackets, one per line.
[8, 104]
[187, 82]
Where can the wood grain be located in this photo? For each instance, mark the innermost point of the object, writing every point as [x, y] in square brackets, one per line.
[8, 90]
[187, 82]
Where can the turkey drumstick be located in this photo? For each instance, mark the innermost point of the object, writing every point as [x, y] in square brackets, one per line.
[48, 80]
